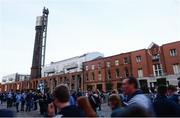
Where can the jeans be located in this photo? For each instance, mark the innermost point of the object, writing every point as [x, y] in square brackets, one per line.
[28, 107]
[35, 105]
[17, 106]
[22, 105]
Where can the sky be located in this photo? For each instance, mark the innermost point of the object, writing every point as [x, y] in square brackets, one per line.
[76, 27]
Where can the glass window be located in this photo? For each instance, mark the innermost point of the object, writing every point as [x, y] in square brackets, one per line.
[117, 72]
[99, 66]
[99, 75]
[108, 64]
[140, 72]
[173, 52]
[157, 69]
[73, 77]
[86, 68]
[176, 68]
[117, 62]
[138, 59]
[126, 61]
[126, 72]
[87, 76]
[92, 75]
[92, 67]
[109, 74]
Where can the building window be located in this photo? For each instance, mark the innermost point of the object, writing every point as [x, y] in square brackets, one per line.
[99, 66]
[117, 62]
[126, 72]
[73, 77]
[173, 52]
[87, 76]
[176, 68]
[92, 75]
[108, 64]
[92, 67]
[157, 69]
[99, 75]
[140, 72]
[156, 57]
[126, 60]
[86, 68]
[117, 72]
[109, 74]
[138, 59]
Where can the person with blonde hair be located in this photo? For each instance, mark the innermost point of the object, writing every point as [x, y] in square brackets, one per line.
[84, 104]
[115, 104]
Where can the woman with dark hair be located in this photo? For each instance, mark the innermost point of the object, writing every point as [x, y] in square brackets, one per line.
[85, 105]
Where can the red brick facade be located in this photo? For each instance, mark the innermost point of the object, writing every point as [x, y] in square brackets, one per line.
[73, 80]
[144, 59]
[150, 66]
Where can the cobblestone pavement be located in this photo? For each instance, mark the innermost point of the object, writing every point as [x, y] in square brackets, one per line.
[105, 111]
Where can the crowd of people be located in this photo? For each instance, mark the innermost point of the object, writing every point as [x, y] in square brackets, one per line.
[26, 101]
[130, 101]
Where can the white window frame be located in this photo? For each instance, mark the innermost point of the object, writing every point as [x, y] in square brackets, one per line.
[176, 68]
[138, 59]
[92, 67]
[125, 60]
[99, 66]
[140, 72]
[86, 68]
[108, 64]
[157, 69]
[116, 62]
[173, 52]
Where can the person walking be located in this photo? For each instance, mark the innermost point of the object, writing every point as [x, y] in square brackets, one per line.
[35, 101]
[136, 97]
[18, 100]
[9, 99]
[28, 102]
[93, 100]
[23, 97]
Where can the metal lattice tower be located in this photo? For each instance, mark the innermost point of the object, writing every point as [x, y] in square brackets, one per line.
[39, 44]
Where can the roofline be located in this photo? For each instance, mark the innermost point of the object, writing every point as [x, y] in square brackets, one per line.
[77, 57]
[115, 55]
[170, 43]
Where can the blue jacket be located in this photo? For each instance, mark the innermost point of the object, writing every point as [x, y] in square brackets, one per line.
[164, 107]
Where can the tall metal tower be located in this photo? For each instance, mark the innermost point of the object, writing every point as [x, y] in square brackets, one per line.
[39, 44]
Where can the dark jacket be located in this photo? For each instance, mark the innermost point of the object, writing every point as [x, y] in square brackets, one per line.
[93, 101]
[164, 107]
[174, 98]
[71, 111]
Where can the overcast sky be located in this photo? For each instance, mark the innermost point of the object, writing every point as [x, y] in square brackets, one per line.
[76, 27]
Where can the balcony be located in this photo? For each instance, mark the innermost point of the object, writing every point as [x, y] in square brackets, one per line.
[156, 58]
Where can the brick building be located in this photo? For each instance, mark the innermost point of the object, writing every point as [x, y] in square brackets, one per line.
[68, 71]
[73, 80]
[152, 66]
